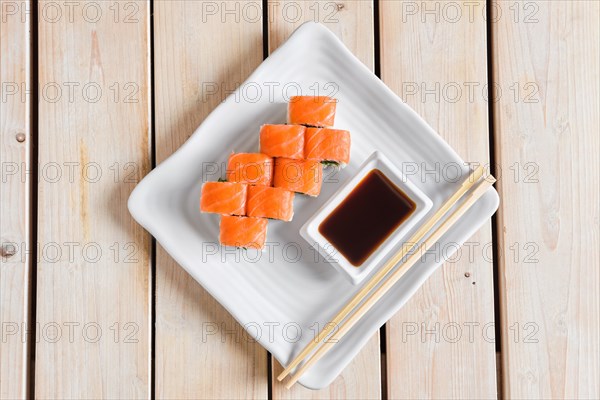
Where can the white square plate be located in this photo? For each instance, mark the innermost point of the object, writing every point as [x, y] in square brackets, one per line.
[285, 285]
[310, 230]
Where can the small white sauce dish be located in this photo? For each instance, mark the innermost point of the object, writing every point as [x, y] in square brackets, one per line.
[310, 230]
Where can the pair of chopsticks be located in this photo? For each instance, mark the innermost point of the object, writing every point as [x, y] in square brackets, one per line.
[364, 300]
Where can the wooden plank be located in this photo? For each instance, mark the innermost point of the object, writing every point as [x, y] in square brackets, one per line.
[15, 160]
[361, 379]
[93, 275]
[202, 51]
[546, 134]
[432, 59]
[353, 22]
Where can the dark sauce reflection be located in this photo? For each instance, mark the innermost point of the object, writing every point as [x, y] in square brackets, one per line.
[366, 217]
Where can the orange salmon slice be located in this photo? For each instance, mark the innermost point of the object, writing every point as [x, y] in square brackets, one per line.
[302, 176]
[246, 232]
[270, 202]
[223, 198]
[323, 144]
[250, 168]
[282, 140]
[316, 111]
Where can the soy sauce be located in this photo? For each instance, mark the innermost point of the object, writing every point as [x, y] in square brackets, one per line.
[366, 217]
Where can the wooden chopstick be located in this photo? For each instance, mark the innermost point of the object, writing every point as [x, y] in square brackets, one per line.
[376, 279]
[480, 190]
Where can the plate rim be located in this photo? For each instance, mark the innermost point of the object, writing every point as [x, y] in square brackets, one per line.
[141, 213]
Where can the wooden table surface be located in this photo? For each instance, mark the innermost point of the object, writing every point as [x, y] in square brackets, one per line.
[96, 93]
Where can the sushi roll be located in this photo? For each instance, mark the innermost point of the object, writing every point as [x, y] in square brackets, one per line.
[270, 202]
[318, 111]
[282, 140]
[327, 145]
[250, 168]
[302, 176]
[245, 232]
[224, 198]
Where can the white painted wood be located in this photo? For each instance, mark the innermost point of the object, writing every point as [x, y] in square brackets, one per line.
[545, 58]
[546, 133]
[361, 379]
[201, 53]
[15, 197]
[353, 22]
[430, 352]
[93, 272]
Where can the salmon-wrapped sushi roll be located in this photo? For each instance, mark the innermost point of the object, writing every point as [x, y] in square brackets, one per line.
[282, 140]
[270, 202]
[246, 232]
[250, 168]
[302, 176]
[323, 144]
[224, 198]
[316, 111]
